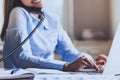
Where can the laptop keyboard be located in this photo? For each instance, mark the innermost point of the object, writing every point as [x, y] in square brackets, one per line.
[87, 71]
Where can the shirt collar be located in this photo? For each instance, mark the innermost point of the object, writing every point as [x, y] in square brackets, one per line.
[44, 23]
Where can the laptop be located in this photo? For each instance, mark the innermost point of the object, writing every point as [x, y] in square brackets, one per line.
[112, 66]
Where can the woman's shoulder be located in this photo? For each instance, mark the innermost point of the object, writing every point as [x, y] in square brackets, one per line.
[53, 20]
[18, 10]
[51, 16]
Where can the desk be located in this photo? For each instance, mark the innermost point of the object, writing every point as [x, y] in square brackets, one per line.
[54, 76]
[75, 77]
[67, 77]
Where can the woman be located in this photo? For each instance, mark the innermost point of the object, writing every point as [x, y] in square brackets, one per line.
[21, 17]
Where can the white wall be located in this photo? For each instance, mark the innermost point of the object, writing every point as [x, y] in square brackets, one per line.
[54, 6]
[1, 19]
[115, 15]
[69, 17]
[64, 9]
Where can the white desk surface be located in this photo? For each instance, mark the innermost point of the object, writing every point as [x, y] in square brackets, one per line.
[55, 76]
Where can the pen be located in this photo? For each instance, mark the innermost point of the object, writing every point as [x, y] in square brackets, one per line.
[14, 70]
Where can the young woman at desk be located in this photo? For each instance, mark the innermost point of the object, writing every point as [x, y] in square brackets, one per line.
[21, 17]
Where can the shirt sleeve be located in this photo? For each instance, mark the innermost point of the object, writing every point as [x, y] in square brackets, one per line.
[16, 33]
[65, 47]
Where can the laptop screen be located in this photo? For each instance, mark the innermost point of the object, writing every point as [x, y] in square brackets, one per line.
[112, 66]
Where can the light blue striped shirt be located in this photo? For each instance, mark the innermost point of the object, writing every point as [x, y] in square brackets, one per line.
[38, 51]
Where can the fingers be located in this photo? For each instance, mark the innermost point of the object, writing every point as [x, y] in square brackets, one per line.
[76, 65]
[100, 61]
[79, 64]
[101, 64]
[91, 63]
[95, 66]
[86, 62]
[101, 57]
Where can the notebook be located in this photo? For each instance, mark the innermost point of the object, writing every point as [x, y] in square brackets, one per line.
[19, 73]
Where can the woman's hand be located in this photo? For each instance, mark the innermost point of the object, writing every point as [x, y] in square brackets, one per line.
[100, 61]
[79, 64]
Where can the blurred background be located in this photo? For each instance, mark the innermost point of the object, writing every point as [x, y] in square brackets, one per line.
[87, 20]
[91, 24]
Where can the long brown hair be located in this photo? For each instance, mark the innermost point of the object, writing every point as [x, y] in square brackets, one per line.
[8, 6]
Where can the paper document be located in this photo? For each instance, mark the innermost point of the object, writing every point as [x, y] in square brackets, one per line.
[23, 73]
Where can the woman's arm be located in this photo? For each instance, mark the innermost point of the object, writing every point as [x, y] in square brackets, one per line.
[66, 48]
[16, 33]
